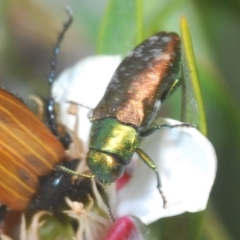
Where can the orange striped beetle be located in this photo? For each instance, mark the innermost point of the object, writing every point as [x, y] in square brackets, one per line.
[28, 149]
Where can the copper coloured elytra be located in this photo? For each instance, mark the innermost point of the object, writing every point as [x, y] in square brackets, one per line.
[143, 78]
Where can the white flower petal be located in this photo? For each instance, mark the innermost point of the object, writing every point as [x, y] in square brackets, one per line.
[84, 83]
[186, 162]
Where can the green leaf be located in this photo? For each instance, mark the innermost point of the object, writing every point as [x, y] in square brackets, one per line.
[121, 28]
[193, 109]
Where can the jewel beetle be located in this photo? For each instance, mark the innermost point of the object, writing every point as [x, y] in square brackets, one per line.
[28, 149]
[143, 80]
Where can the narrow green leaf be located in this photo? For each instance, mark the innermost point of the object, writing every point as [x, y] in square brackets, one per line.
[193, 109]
[121, 28]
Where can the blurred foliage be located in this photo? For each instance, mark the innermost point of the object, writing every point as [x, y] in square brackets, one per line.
[112, 37]
[28, 29]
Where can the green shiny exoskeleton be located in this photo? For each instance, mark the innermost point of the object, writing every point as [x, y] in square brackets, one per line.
[144, 79]
[112, 146]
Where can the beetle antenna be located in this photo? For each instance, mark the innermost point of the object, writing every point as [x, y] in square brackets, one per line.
[71, 172]
[107, 203]
[63, 137]
[56, 49]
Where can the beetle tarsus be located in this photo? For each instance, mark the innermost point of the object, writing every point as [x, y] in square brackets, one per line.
[159, 187]
[163, 198]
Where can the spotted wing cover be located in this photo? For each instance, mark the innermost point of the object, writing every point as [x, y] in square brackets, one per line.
[141, 80]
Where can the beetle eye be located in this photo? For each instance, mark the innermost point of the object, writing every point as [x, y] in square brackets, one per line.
[116, 172]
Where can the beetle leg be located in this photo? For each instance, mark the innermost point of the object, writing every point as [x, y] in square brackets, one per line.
[157, 127]
[152, 165]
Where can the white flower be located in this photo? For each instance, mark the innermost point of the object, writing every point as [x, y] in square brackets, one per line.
[186, 162]
[185, 159]
[84, 83]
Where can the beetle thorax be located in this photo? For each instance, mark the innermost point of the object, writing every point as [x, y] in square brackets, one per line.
[112, 145]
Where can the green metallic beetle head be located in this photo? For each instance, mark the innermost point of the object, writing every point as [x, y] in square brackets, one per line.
[106, 167]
